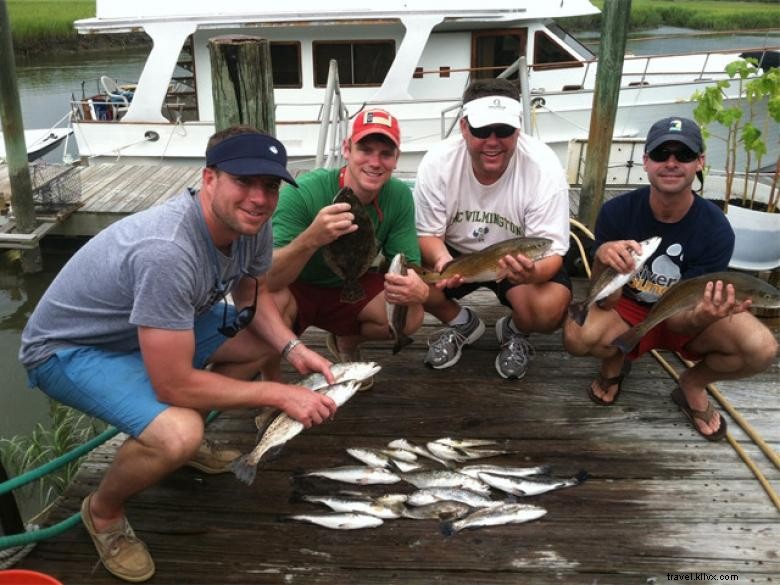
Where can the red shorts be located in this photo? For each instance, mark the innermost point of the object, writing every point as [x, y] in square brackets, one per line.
[659, 337]
[321, 307]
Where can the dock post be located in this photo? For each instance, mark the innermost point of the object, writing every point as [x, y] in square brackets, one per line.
[242, 82]
[15, 147]
[614, 27]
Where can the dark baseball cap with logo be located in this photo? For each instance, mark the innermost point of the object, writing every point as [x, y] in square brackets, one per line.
[675, 129]
[250, 154]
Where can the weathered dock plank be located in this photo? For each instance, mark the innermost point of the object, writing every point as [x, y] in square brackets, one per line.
[659, 501]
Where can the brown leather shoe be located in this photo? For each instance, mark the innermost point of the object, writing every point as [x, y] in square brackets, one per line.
[121, 552]
[212, 459]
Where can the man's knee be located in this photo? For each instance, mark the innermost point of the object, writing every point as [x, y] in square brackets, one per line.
[175, 434]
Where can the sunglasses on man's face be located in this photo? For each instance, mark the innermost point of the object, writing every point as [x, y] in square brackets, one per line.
[500, 130]
[682, 153]
[242, 319]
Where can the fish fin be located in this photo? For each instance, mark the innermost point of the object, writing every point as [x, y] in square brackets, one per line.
[447, 528]
[244, 470]
[352, 292]
[578, 313]
[628, 340]
[402, 341]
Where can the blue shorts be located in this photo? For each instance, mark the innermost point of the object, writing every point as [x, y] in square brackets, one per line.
[114, 386]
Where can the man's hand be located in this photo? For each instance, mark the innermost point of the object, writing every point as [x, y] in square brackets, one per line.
[307, 361]
[516, 269]
[331, 222]
[405, 290]
[306, 406]
[718, 301]
[618, 256]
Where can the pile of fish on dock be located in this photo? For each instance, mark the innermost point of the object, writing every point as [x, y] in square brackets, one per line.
[454, 492]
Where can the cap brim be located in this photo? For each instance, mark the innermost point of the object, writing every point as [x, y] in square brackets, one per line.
[252, 167]
[376, 130]
[673, 138]
[480, 119]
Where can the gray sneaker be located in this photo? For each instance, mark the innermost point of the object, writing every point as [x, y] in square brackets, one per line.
[445, 345]
[516, 352]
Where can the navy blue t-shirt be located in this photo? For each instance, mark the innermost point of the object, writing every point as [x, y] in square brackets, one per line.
[700, 243]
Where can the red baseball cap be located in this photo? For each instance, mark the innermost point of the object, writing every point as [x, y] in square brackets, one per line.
[376, 122]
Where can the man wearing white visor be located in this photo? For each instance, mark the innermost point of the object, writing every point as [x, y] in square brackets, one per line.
[493, 183]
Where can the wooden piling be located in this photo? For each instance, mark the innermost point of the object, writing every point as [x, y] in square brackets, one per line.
[15, 147]
[614, 29]
[242, 82]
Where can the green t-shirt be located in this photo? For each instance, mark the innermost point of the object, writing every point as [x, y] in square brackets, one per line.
[297, 208]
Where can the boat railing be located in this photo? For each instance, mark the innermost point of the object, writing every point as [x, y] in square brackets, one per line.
[333, 121]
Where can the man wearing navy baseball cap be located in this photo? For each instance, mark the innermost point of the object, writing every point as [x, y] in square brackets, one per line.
[718, 332]
[128, 326]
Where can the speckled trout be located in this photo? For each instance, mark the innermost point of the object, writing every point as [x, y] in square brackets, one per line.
[483, 266]
[396, 314]
[686, 293]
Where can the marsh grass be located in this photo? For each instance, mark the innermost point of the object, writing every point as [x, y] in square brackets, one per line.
[37, 21]
[694, 14]
[68, 429]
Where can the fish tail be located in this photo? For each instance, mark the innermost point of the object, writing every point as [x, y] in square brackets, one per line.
[545, 469]
[244, 470]
[447, 528]
[352, 292]
[402, 341]
[578, 312]
[628, 340]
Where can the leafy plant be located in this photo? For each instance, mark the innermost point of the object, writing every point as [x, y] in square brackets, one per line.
[69, 429]
[754, 92]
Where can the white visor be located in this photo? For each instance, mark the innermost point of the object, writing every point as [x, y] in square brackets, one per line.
[494, 109]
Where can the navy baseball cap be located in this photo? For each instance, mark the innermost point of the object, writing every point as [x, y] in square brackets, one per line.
[675, 130]
[250, 154]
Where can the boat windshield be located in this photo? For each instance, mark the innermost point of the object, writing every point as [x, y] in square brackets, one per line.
[570, 41]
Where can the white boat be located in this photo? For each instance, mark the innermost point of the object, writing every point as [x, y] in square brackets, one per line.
[38, 142]
[413, 58]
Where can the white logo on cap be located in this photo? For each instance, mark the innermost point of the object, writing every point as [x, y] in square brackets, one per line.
[497, 104]
[676, 126]
[273, 149]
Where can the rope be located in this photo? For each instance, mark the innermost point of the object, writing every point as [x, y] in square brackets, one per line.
[738, 418]
[25, 538]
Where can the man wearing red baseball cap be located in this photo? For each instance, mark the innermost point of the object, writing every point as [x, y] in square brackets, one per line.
[306, 220]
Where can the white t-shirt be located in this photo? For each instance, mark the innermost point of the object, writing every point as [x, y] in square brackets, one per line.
[530, 199]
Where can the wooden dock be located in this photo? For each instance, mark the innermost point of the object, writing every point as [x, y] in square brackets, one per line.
[661, 503]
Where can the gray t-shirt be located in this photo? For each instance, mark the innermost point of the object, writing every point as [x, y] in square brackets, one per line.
[155, 268]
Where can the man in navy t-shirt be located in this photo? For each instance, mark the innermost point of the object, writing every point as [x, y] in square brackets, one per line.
[696, 239]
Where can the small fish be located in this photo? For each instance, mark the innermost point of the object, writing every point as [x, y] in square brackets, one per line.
[350, 255]
[426, 496]
[445, 478]
[686, 293]
[475, 470]
[417, 449]
[380, 458]
[528, 486]
[356, 474]
[483, 266]
[359, 504]
[341, 372]
[284, 428]
[495, 516]
[465, 443]
[396, 314]
[441, 510]
[610, 281]
[339, 520]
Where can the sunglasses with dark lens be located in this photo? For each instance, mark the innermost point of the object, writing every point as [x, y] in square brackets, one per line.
[683, 154]
[500, 130]
[243, 317]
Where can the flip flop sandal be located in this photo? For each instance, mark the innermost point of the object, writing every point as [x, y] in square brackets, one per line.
[605, 383]
[678, 397]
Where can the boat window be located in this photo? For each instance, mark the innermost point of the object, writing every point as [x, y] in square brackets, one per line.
[548, 54]
[571, 42]
[286, 64]
[494, 51]
[359, 62]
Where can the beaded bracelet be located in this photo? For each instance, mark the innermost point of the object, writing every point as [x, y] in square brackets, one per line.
[292, 344]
